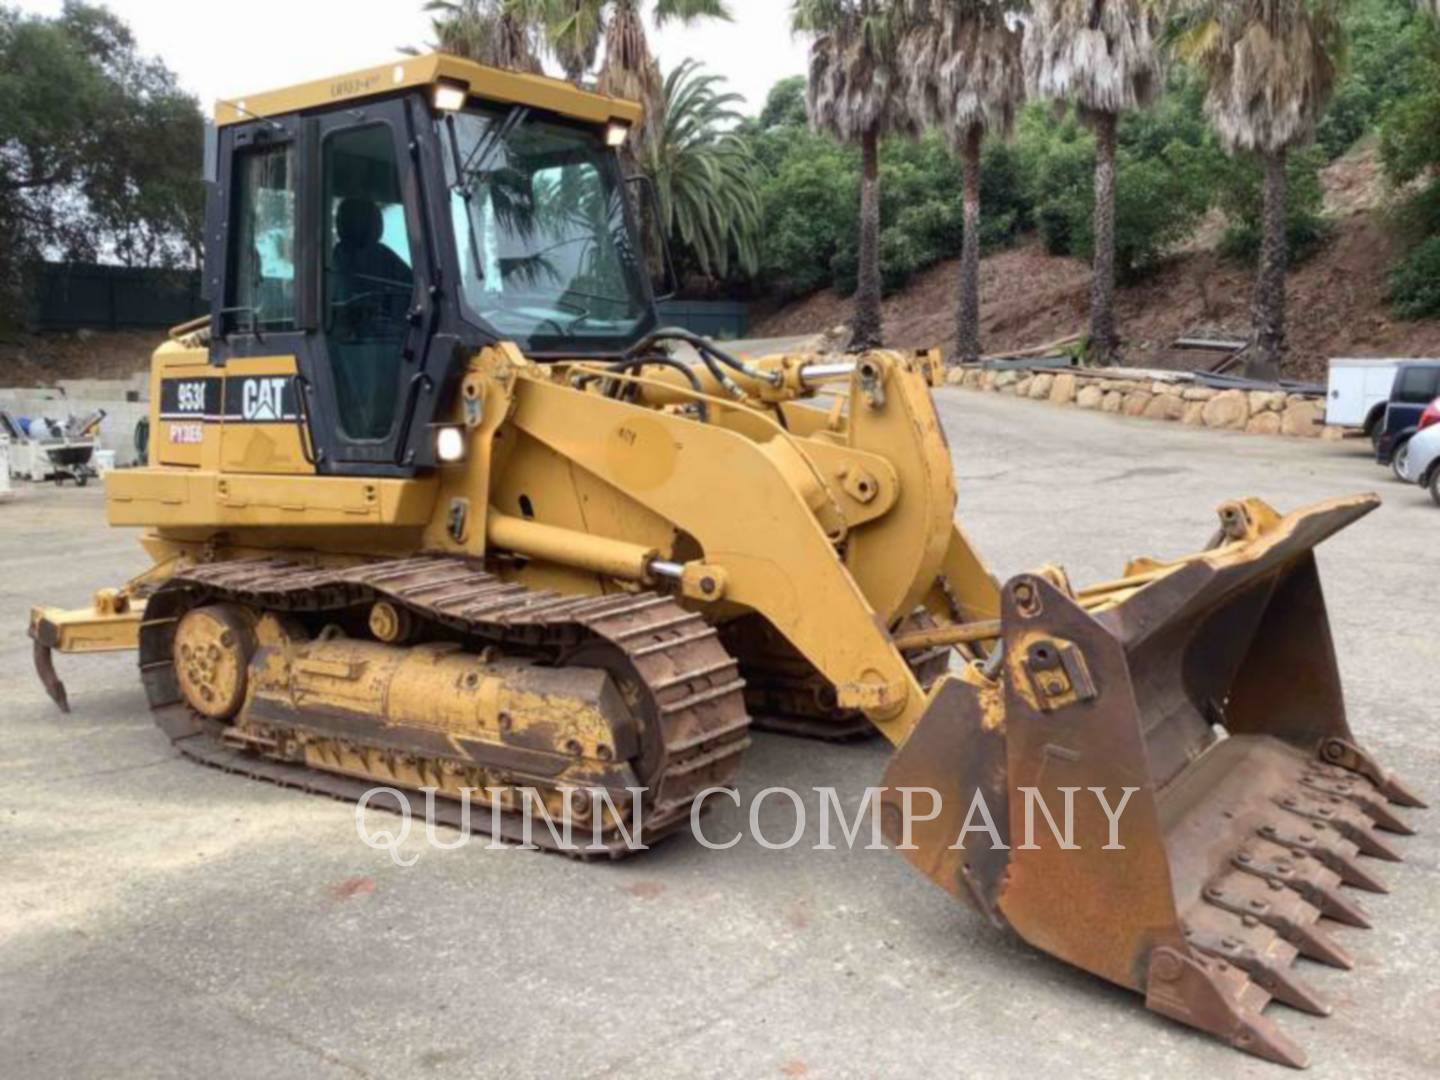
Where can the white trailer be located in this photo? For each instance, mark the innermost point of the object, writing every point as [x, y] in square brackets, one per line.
[1358, 392]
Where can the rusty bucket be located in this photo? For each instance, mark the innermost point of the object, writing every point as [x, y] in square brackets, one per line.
[1206, 689]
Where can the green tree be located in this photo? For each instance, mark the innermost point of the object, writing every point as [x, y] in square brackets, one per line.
[1410, 126]
[1384, 36]
[705, 174]
[1166, 164]
[1410, 145]
[784, 105]
[966, 76]
[100, 150]
[1271, 67]
[1103, 58]
[856, 93]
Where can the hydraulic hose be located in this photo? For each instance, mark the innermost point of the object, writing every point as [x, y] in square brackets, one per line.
[712, 355]
[665, 361]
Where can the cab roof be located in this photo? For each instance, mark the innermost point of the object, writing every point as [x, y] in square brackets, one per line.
[487, 83]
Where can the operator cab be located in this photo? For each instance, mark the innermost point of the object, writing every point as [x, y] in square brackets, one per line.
[366, 234]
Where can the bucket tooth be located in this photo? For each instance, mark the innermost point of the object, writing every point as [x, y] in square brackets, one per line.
[1346, 755]
[1334, 813]
[1364, 797]
[1258, 951]
[1317, 885]
[1282, 910]
[1327, 848]
[1216, 996]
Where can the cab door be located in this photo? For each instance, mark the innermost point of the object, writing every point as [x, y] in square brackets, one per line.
[324, 313]
[249, 402]
[366, 371]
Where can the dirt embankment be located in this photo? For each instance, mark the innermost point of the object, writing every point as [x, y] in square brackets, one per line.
[1337, 297]
[45, 359]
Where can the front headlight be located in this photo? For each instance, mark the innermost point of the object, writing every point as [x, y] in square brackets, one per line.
[450, 444]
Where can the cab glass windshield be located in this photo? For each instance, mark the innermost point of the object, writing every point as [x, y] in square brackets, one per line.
[539, 212]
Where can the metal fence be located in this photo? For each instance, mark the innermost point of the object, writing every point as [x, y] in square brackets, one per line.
[75, 296]
[719, 319]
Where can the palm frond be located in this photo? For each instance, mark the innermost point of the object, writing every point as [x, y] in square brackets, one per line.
[964, 65]
[687, 11]
[856, 85]
[498, 33]
[1102, 56]
[1271, 66]
[705, 175]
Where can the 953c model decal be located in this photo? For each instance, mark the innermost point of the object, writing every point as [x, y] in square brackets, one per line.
[236, 399]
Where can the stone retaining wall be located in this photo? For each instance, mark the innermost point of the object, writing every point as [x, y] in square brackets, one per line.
[1260, 412]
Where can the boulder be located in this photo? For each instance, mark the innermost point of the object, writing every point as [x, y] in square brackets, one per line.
[1264, 423]
[1165, 407]
[1305, 420]
[1005, 378]
[1065, 388]
[1194, 414]
[1114, 401]
[1041, 385]
[987, 380]
[1158, 388]
[1022, 388]
[1090, 397]
[956, 377]
[1136, 402]
[1199, 393]
[974, 379]
[1230, 409]
[1334, 433]
[1267, 401]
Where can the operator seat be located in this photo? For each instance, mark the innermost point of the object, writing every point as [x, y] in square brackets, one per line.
[361, 261]
[369, 297]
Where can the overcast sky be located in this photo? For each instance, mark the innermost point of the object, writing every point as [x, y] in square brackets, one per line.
[231, 49]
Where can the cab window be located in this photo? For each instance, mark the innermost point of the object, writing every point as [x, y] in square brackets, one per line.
[262, 268]
[368, 280]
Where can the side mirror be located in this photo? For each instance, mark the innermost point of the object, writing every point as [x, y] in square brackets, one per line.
[654, 244]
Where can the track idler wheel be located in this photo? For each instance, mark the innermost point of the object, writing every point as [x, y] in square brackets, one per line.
[213, 647]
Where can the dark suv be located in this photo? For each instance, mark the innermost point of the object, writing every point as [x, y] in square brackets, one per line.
[1417, 384]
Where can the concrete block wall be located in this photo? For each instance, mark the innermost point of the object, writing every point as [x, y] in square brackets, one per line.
[79, 397]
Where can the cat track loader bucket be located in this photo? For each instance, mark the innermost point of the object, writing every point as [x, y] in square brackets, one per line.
[1224, 816]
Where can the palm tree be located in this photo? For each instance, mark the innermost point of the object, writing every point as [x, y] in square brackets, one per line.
[1271, 67]
[967, 77]
[498, 33]
[705, 174]
[1102, 57]
[856, 92]
[575, 30]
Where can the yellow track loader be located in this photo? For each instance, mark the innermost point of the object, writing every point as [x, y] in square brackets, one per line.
[435, 503]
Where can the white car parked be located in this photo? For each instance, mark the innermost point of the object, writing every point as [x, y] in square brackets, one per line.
[1420, 462]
